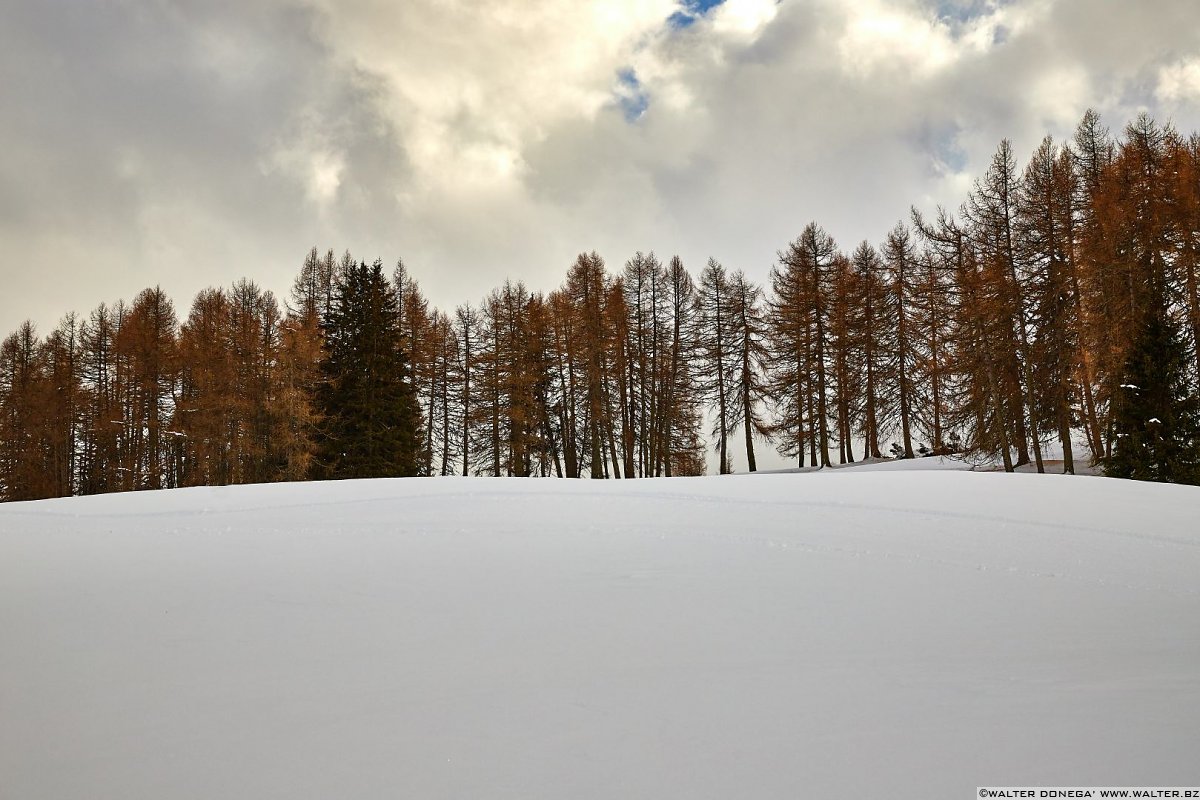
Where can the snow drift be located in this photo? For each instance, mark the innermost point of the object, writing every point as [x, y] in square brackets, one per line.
[891, 634]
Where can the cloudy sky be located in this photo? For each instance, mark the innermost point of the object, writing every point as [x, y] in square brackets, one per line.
[189, 144]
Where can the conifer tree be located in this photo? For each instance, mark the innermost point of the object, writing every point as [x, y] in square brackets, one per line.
[991, 210]
[99, 403]
[801, 356]
[1045, 230]
[60, 411]
[933, 313]
[587, 288]
[1130, 244]
[876, 333]
[254, 338]
[539, 358]
[414, 320]
[1093, 151]
[644, 283]
[844, 333]
[205, 411]
[147, 349]
[1156, 417]
[444, 401]
[1185, 166]
[466, 329]
[681, 451]
[790, 357]
[518, 439]
[312, 291]
[371, 418]
[900, 256]
[620, 366]
[565, 392]
[23, 467]
[983, 350]
[717, 358]
[748, 390]
[297, 376]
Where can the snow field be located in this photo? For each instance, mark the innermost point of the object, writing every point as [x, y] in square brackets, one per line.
[847, 633]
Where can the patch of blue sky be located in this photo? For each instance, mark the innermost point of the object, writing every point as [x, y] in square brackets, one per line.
[941, 143]
[962, 10]
[959, 13]
[680, 19]
[631, 96]
[690, 11]
[950, 153]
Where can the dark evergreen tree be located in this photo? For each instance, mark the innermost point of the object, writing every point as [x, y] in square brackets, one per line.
[1156, 415]
[367, 399]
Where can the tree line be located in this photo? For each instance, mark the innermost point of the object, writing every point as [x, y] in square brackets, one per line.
[1057, 308]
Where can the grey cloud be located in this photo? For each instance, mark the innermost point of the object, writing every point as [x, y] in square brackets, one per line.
[144, 149]
[189, 144]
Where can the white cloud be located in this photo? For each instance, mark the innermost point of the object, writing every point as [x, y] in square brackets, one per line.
[314, 164]
[880, 36]
[1179, 82]
[743, 17]
[469, 85]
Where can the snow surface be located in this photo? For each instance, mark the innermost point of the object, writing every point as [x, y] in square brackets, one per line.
[843, 634]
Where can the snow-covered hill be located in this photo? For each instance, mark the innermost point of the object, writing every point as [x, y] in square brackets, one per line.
[844, 634]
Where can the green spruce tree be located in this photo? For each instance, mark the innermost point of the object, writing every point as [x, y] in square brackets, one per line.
[1156, 415]
[366, 398]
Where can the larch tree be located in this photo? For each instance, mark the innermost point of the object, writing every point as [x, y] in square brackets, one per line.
[717, 359]
[587, 288]
[900, 259]
[489, 382]
[1185, 166]
[874, 338]
[790, 337]
[681, 448]
[1045, 229]
[621, 441]
[1093, 152]
[467, 335]
[297, 377]
[61, 411]
[148, 346]
[815, 254]
[564, 385]
[99, 403]
[24, 473]
[645, 283]
[991, 213]
[933, 307]
[444, 402]
[518, 430]
[255, 327]
[414, 321]
[749, 391]
[540, 366]
[205, 411]
[846, 380]
[1130, 244]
